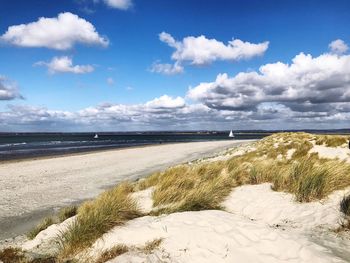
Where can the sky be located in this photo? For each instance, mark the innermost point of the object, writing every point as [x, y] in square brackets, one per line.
[126, 65]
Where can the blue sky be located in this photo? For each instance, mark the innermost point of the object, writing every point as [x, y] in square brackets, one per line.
[122, 69]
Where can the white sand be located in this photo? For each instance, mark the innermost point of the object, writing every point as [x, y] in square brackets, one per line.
[259, 202]
[341, 153]
[290, 153]
[32, 185]
[263, 226]
[211, 236]
[46, 240]
[144, 199]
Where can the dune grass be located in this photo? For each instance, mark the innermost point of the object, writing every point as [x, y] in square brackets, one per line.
[331, 140]
[17, 255]
[62, 215]
[345, 209]
[112, 253]
[191, 188]
[345, 205]
[67, 212]
[12, 255]
[121, 249]
[204, 186]
[96, 217]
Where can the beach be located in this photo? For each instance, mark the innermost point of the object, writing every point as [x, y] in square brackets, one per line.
[284, 198]
[32, 189]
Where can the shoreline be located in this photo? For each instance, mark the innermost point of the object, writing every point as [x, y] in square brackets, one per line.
[47, 184]
[101, 150]
[78, 153]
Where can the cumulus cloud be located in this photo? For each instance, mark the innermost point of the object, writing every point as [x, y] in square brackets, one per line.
[308, 84]
[64, 64]
[167, 69]
[8, 89]
[201, 50]
[338, 46]
[119, 4]
[61, 33]
[166, 102]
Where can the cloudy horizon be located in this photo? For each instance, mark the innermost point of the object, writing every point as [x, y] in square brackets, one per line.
[73, 71]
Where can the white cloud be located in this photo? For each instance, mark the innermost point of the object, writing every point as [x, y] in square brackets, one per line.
[338, 46]
[201, 50]
[308, 84]
[165, 101]
[64, 64]
[59, 33]
[8, 89]
[110, 81]
[167, 69]
[119, 4]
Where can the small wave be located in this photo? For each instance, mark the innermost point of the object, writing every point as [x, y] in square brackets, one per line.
[12, 144]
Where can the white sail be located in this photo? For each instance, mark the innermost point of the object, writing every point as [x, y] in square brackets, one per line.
[231, 134]
[96, 136]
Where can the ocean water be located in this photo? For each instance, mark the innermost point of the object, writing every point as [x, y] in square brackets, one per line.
[26, 145]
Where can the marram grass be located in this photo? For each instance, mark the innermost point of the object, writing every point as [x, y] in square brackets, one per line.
[94, 218]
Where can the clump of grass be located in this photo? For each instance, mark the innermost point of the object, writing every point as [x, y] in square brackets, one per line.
[192, 188]
[120, 249]
[151, 246]
[45, 223]
[67, 212]
[94, 218]
[302, 150]
[150, 181]
[345, 205]
[310, 178]
[16, 255]
[112, 253]
[311, 183]
[345, 209]
[331, 140]
[12, 255]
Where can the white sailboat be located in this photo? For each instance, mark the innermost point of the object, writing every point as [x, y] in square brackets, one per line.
[231, 135]
[96, 136]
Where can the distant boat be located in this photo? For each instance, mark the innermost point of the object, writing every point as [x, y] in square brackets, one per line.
[96, 136]
[231, 135]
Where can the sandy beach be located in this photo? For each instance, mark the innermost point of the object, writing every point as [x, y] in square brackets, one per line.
[31, 189]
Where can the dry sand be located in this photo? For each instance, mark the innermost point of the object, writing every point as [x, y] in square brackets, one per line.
[259, 225]
[30, 189]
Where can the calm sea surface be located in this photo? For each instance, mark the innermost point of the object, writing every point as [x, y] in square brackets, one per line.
[20, 145]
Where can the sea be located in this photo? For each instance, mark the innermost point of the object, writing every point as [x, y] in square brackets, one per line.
[29, 145]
